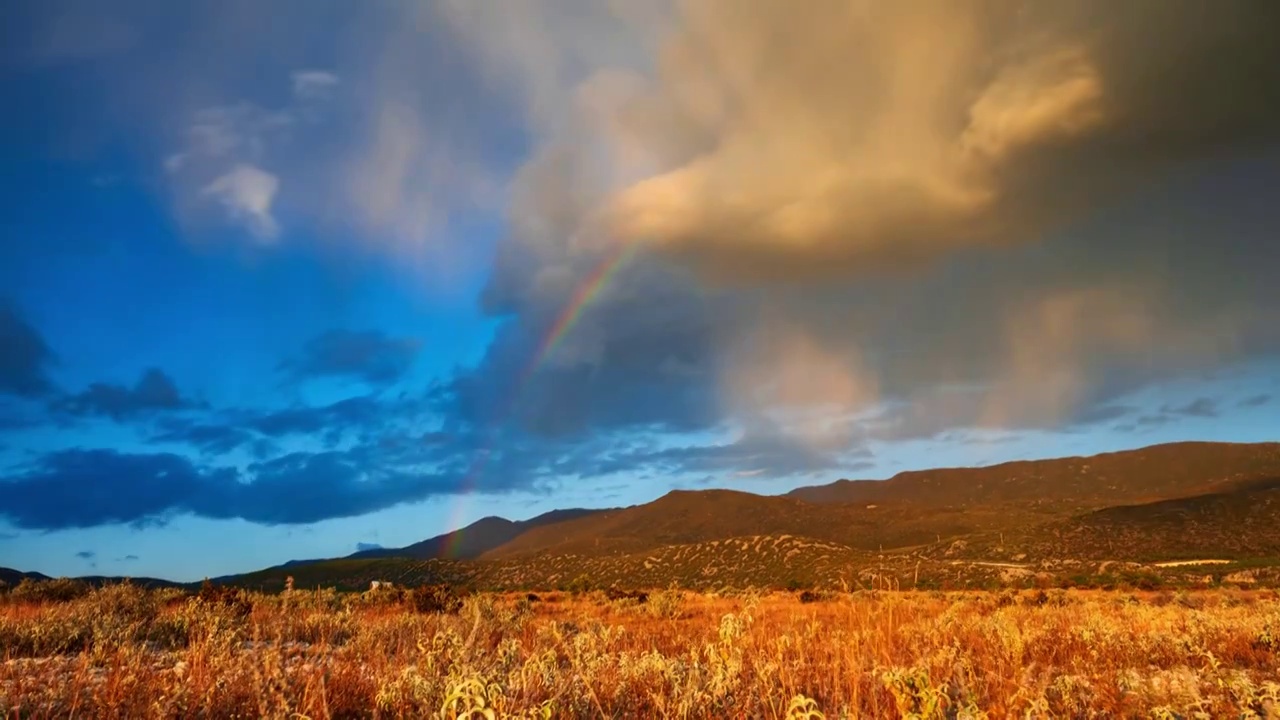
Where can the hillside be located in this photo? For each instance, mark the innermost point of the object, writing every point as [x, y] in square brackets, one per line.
[1237, 523]
[1008, 523]
[475, 539]
[1072, 484]
[12, 577]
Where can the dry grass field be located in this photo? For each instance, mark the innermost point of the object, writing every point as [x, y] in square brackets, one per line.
[120, 651]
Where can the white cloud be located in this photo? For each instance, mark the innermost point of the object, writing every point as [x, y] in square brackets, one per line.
[223, 159]
[314, 84]
[247, 193]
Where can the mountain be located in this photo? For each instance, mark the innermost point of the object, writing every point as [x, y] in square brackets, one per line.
[12, 577]
[1158, 510]
[1150, 474]
[475, 539]
[1236, 523]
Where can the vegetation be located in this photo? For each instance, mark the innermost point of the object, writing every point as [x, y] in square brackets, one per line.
[125, 651]
[1099, 521]
[1132, 584]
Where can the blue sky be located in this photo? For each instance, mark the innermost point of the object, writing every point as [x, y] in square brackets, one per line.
[271, 277]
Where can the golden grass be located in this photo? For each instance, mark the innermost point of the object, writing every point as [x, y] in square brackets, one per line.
[127, 653]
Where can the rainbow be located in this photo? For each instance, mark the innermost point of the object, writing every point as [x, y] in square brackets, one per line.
[585, 294]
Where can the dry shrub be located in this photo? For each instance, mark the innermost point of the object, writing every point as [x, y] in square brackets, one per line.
[59, 590]
[637, 596]
[436, 599]
[863, 654]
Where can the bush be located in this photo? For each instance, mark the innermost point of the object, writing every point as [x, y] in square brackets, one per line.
[579, 585]
[636, 595]
[667, 603]
[234, 600]
[436, 599]
[60, 590]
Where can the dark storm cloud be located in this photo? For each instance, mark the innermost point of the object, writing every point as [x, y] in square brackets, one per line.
[642, 356]
[362, 417]
[25, 358]
[87, 488]
[154, 392]
[210, 439]
[369, 356]
[1200, 407]
[1017, 238]
[356, 412]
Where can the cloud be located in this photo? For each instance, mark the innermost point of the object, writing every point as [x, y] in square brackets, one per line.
[363, 546]
[130, 558]
[364, 412]
[1200, 407]
[771, 143]
[314, 84]
[388, 143]
[1255, 401]
[218, 138]
[85, 488]
[209, 438]
[1005, 198]
[369, 356]
[86, 554]
[769, 454]
[224, 156]
[246, 193]
[88, 488]
[1026, 212]
[81, 488]
[1103, 413]
[153, 392]
[26, 359]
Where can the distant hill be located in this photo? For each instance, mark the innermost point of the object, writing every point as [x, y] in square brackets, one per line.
[1150, 474]
[1009, 523]
[475, 539]
[13, 577]
[1240, 522]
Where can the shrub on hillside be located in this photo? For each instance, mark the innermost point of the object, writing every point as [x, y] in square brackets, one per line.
[440, 599]
[638, 596]
[579, 585]
[59, 590]
[234, 600]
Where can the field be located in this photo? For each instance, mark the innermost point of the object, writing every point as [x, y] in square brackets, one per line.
[120, 651]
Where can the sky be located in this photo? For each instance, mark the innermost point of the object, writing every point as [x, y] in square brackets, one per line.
[286, 280]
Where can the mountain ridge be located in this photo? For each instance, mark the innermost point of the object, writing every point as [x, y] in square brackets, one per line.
[1049, 510]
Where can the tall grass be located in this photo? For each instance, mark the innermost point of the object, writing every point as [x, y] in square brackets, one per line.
[126, 652]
